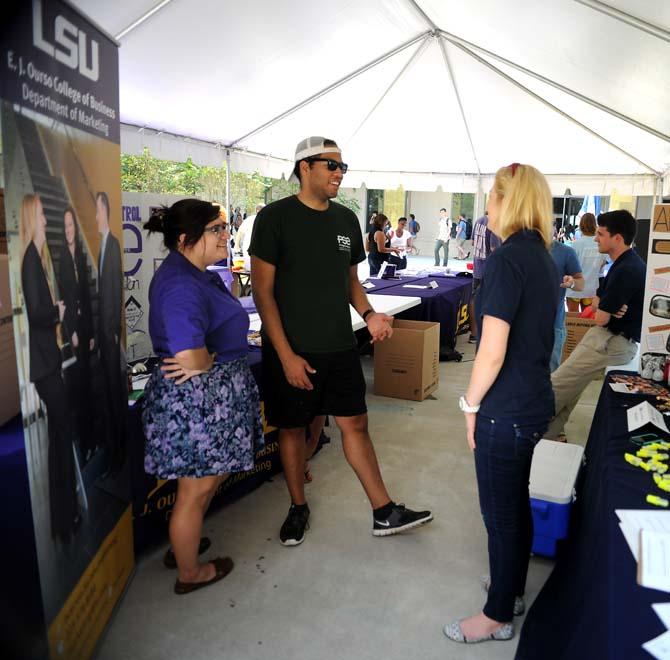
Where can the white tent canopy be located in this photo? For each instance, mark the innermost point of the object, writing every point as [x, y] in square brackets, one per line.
[422, 93]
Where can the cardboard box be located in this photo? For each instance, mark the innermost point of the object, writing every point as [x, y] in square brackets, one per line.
[9, 401]
[575, 329]
[407, 366]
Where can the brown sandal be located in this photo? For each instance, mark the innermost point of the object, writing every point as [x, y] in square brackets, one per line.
[222, 566]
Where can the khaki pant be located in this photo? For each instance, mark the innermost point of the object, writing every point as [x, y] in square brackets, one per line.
[598, 349]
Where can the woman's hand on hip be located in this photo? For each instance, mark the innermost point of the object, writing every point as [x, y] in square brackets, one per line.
[470, 420]
[172, 369]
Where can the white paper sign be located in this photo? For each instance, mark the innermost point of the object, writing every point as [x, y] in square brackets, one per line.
[659, 647]
[654, 560]
[659, 284]
[663, 612]
[655, 343]
[645, 413]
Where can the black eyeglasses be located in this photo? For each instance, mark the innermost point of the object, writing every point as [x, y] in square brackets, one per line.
[331, 164]
[217, 230]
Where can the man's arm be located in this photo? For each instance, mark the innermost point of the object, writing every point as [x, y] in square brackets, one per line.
[575, 282]
[379, 325]
[295, 367]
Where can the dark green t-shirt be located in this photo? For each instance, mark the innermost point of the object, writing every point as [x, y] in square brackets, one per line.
[312, 252]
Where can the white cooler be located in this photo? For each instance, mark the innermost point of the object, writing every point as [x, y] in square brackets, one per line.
[553, 475]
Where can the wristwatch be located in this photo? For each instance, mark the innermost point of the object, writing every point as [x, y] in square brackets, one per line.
[466, 407]
[367, 313]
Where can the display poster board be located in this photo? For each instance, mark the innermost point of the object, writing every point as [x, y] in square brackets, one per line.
[59, 95]
[655, 337]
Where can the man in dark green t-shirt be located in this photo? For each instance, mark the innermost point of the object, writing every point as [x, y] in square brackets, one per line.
[305, 252]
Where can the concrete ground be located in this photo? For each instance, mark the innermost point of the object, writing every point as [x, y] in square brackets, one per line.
[343, 593]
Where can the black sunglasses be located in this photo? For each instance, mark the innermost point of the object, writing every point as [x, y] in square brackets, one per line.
[331, 164]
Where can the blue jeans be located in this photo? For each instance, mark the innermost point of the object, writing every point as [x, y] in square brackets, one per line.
[503, 454]
[559, 339]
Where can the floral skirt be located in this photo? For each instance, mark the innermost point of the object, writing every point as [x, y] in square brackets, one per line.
[207, 426]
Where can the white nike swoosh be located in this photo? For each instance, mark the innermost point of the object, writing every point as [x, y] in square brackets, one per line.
[386, 523]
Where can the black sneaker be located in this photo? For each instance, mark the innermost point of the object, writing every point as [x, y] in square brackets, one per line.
[399, 520]
[293, 530]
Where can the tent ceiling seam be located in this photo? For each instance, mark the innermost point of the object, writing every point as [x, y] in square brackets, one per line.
[556, 109]
[420, 49]
[452, 38]
[450, 73]
[628, 19]
[136, 23]
[332, 86]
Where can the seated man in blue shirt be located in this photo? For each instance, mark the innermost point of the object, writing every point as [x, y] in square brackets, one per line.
[618, 307]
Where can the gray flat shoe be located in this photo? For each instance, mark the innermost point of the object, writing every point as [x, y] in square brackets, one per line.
[519, 603]
[454, 632]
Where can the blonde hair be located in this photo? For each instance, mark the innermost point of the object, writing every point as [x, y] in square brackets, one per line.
[525, 202]
[28, 219]
[27, 225]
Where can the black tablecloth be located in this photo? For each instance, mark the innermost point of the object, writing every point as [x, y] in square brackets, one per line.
[447, 304]
[591, 605]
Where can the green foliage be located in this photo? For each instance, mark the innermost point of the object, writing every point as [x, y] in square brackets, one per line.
[147, 174]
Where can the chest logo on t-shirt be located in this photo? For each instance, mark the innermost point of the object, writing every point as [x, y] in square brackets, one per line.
[343, 243]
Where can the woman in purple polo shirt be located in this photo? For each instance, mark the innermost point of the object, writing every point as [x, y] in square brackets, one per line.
[202, 414]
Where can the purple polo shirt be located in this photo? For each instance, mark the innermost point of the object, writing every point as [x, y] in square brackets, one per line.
[190, 309]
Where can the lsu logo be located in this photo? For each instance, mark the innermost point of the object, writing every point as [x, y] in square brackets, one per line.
[344, 243]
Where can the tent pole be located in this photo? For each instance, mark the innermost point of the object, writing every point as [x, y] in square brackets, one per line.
[452, 38]
[447, 64]
[228, 185]
[628, 19]
[332, 86]
[551, 106]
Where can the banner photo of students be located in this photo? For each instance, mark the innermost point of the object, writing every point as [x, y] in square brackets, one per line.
[59, 91]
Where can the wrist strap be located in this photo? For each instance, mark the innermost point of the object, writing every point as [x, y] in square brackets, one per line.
[367, 313]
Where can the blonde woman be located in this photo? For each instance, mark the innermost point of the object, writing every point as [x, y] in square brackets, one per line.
[509, 401]
[45, 314]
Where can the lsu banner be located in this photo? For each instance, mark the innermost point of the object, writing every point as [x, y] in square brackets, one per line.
[59, 112]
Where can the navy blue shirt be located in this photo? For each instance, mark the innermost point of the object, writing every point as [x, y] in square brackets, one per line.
[190, 309]
[624, 285]
[520, 286]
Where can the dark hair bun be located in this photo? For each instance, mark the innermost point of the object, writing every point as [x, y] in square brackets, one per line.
[156, 222]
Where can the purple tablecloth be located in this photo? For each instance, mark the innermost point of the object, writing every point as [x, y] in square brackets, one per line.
[447, 304]
[382, 285]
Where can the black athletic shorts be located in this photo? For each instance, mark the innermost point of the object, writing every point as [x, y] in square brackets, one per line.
[339, 388]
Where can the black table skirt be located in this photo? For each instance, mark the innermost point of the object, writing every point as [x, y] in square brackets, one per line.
[591, 606]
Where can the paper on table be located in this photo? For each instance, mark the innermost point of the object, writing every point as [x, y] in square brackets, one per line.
[368, 285]
[620, 387]
[653, 566]
[663, 612]
[414, 286]
[659, 647]
[633, 520]
[645, 413]
[631, 534]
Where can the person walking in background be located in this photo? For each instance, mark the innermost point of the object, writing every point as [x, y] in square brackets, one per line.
[509, 400]
[401, 240]
[201, 415]
[307, 247]
[78, 326]
[570, 277]
[591, 262]
[375, 245]
[45, 315]
[413, 226]
[618, 307]
[442, 238]
[461, 237]
[109, 334]
[484, 241]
